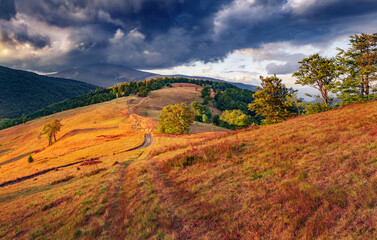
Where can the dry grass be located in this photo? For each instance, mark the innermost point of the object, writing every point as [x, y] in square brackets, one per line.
[307, 178]
[178, 93]
[66, 202]
[79, 201]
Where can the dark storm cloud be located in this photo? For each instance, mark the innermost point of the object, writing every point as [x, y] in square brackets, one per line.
[13, 35]
[7, 9]
[165, 33]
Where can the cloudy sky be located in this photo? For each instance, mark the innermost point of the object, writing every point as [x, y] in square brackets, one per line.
[235, 40]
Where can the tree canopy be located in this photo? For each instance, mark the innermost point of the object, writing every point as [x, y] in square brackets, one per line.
[317, 72]
[175, 119]
[50, 129]
[235, 118]
[272, 101]
[359, 68]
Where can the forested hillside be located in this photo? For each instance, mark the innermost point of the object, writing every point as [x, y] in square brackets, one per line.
[23, 92]
[227, 96]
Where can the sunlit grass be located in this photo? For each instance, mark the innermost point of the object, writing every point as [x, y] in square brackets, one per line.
[310, 177]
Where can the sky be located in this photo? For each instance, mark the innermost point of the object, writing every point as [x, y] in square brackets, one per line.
[235, 40]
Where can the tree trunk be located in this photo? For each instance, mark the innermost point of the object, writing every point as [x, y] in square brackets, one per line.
[324, 95]
[367, 84]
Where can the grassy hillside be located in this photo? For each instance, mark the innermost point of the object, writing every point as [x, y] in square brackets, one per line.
[180, 92]
[24, 92]
[309, 177]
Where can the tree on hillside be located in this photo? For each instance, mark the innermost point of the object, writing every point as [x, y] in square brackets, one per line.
[206, 91]
[176, 119]
[236, 118]
[206, 94]
[50, 129]
[202, 112]
[359, 65]
[272, 101]
[317, 72]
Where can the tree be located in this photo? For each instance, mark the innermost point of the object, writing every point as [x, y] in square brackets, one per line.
[206, 92]
[272, 101]
[359, 64]
[50, 129]
[143, 92]
[202, 112]
[317, 72]
[176, 119]
[235, 118]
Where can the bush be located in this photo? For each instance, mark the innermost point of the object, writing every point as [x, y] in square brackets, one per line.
[235, 119]
[317, 107]
[30, 159]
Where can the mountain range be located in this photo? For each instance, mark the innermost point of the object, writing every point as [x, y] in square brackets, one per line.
[108, 75]
[24, 92]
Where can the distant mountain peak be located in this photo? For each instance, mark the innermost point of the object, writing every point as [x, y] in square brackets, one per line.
[104, 74]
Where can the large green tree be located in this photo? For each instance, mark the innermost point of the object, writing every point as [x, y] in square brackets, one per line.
[176, 119]
[273, 101]
[317, 72]
[359, 64]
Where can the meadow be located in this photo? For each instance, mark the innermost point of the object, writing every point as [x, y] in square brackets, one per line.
[310, 177]
[73, 201]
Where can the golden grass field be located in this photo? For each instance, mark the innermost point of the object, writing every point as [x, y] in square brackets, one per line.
[311, 177]
[57, 203]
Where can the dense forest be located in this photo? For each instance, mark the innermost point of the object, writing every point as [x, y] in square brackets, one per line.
[24, 92]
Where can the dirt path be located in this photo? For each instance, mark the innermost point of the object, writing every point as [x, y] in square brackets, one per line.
[192, 226]
[113, 208]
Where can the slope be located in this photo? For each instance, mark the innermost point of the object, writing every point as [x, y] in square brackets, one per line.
[72, 188]
[307, 178]
[104, 75]
[24, 92]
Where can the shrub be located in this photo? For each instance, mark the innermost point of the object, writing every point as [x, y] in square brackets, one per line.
[30, 159]
[317, 107]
